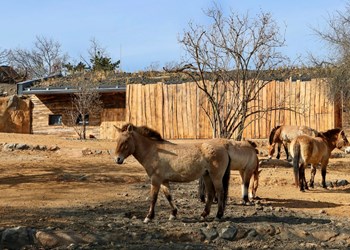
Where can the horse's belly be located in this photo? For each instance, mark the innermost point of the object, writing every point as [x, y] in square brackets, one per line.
[185, 170]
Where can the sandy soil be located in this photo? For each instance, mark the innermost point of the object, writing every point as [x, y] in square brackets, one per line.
[82, 175]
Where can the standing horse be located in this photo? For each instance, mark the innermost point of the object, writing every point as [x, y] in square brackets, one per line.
[165, 161]
[243, 155]
[315, 150]
[284, 134]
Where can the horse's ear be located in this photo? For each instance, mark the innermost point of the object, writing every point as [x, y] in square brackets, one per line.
[130, 128]
[118, 129]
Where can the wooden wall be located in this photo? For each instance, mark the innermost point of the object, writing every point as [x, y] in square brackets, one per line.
[45, 105]
[176, 110]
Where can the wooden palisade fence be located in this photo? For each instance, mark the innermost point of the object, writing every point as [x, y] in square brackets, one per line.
[176, 110]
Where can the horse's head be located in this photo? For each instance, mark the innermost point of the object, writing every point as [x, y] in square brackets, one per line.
[342, 140]
[125, 144]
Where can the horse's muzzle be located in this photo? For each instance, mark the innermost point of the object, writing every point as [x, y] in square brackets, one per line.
[119, 160]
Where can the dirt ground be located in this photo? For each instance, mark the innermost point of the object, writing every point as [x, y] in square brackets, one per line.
[82, 175]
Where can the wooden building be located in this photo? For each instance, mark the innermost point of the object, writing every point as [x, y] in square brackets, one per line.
[51, 105]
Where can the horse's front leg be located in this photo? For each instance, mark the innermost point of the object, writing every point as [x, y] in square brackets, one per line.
[154, 195]
[245, 187]
[278, 150]
[313, 173]
[286, 150]
[166, 190]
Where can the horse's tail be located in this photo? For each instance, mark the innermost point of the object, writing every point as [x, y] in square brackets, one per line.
[255, 185]
[201, 189]
[226, 180]
[272, 134]
[296, 159]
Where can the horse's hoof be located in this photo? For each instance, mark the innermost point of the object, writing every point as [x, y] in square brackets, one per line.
[146, 220]
[218, 219]
[172, 217]
[202, 218]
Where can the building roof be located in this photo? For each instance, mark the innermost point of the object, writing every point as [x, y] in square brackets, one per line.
[58, 84]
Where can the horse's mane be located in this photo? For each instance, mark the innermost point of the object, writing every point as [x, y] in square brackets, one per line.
[272, 133]
[145, 131]
[254, 145]
[329, 133]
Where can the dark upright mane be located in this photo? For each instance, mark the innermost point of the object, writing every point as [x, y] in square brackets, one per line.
[145, 131]
[272, 134]
[330, 133]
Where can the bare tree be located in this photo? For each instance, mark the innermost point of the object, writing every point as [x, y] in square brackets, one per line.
[86, 104]
[3, 56]
[336, 35]
[230, 61]
[45, 58]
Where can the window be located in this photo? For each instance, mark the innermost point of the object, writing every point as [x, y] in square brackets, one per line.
[80, 120]
[55, 119]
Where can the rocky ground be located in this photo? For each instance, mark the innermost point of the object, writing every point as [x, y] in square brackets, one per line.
[68, 194]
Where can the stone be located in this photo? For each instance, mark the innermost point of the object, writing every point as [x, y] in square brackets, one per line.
[16, 238]
[228, 233]
[209, 233]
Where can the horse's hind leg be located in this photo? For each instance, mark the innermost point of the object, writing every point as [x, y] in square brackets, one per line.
[154, 195]
[209, 188]
[166, 190]
[302, 177]
[313, 173]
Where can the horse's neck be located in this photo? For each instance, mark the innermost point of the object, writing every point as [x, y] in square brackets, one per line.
[143, 147]
[332, 143]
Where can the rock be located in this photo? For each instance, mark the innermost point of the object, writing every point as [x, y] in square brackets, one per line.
[340, 183]
[21, 146]
[16, 238]
[209, 233]
[50, 239]
[324, 235]
[266, 229]
[228, 233]
[53, 148]
[86, 151]
[9, 146]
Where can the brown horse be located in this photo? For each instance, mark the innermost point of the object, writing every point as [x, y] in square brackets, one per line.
[284, 134]
[243, 155]
[165, 161]
[315, 150]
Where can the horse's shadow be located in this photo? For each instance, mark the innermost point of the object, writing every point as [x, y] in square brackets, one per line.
[292, 203]
[290, 219]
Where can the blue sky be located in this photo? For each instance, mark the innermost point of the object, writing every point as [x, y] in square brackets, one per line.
[141, 33]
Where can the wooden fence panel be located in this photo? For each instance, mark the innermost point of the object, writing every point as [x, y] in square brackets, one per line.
[178, 110]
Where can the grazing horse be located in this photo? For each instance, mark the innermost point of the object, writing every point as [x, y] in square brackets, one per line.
[284, 134]
[243, 155]
[314, 150]
[165, 162]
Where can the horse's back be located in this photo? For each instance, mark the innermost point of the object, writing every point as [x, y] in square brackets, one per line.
[312, 149]
[243, 155]
[290, 132]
